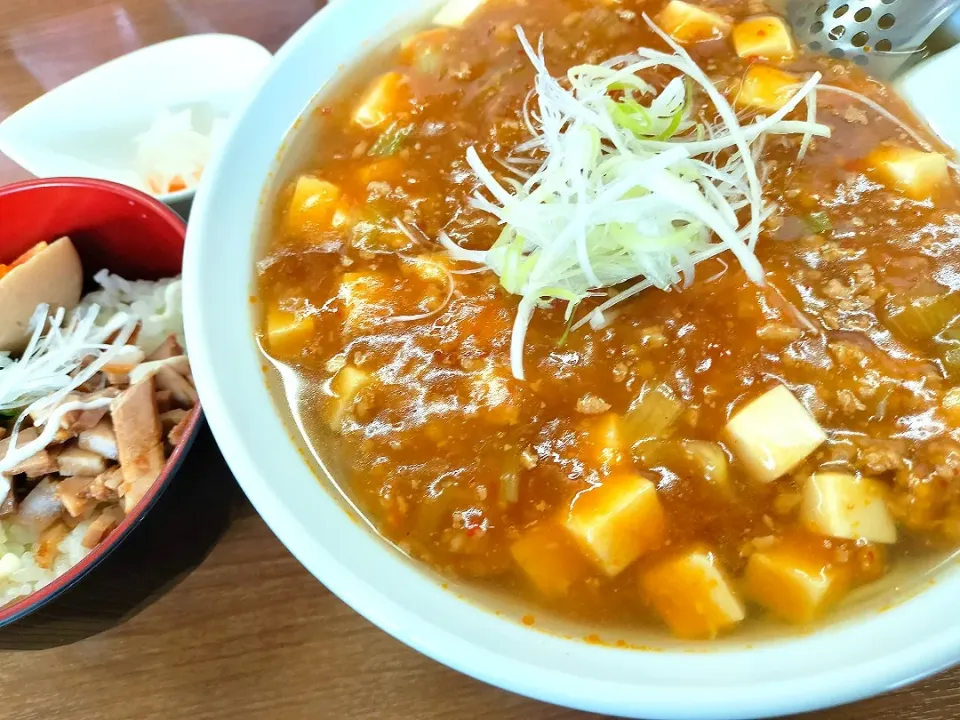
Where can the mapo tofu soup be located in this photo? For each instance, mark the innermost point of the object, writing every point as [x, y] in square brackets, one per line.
[651, 319]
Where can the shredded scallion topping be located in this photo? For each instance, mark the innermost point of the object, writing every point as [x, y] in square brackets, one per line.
[631, 184]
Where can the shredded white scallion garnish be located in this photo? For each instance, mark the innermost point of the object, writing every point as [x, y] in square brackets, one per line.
[628, 184]
[53, 365]
[47, 370]
[50, 368]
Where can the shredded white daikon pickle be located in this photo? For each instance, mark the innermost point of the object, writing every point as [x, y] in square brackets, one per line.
[172, 154]
[622, 183]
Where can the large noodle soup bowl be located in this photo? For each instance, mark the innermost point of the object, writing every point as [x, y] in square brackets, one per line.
[861, 652]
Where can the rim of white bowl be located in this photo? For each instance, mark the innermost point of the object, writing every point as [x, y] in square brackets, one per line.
[837, 664]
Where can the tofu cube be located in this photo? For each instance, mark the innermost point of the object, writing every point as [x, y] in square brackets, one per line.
[793, 583]
[345, 385]
[692, 594]
[386, 97]
[429, 268]
[773, 434]
[765, 36]
[841, 505]
[914, 173]
[605, 444]
[312, 206]
[387, 169]
[425, 50]
[365, 298]
[766, 88]
[617, 522]
[687, 23]
[456, 12]
[288, 332]
[550, 559]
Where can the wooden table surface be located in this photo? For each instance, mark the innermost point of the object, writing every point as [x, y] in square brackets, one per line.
[249, 634]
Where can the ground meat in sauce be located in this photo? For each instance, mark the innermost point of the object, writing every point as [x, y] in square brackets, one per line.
[455, 460]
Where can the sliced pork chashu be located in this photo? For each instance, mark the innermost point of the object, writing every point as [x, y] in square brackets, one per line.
[136, 424]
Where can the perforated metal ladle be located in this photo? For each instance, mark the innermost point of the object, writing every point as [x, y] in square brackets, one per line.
[879, 35]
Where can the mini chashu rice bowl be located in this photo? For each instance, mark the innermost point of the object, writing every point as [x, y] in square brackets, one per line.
[95, 395]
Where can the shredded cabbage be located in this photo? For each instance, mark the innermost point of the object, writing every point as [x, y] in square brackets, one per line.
[157, 304]
[628, 185]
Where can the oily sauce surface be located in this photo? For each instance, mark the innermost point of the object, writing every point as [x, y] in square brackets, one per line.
[454, 459]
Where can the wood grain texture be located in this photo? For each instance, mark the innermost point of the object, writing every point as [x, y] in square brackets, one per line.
[249, 634]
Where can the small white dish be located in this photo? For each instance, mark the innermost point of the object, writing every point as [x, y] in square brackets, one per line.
[87, 127]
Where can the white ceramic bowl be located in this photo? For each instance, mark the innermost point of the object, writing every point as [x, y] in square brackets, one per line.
[862, 653]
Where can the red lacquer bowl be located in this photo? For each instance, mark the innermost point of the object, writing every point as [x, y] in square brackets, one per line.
[128, 233]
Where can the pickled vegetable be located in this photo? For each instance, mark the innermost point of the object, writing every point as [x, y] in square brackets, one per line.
[391, 140]
[690, 458]
[652, 415]
[930, 323]
[921, 319]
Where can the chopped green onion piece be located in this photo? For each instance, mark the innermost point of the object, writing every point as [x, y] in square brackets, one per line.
[566, 331]
[390, 140]
[669, 131]
[818, 223]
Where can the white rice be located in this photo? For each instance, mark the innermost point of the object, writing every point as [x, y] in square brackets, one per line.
[19, 573]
